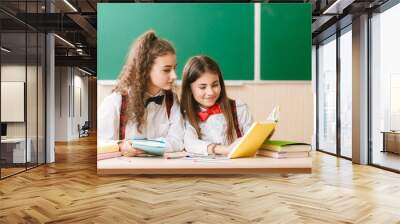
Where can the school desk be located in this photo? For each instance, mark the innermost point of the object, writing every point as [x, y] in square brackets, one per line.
[157, 165]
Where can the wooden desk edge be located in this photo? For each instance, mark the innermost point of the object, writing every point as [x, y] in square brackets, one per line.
[306, 170]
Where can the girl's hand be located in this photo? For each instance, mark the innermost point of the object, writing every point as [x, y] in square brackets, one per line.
[127, 150]
[222, 150]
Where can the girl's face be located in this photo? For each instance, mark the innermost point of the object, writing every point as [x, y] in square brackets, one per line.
[162, 74]
[206, 89]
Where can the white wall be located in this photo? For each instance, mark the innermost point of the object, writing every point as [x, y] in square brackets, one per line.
[34, 125]
[62, 81]
[12, 73]
[79, 117]
[70, 83]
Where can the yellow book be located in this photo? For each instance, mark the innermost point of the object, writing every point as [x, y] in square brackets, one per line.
[248, 145]
[107, 147]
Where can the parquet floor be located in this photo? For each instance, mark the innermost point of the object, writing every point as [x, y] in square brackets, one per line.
[9, 171]
[69, 191]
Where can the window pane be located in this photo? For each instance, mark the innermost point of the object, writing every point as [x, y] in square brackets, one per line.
[346, 94]
[31, 96]
[386, 88]
[23, 87]
[327, 96]
[14, 146]
[41, 98]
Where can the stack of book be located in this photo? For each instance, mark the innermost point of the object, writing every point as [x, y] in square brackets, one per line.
[107, 150]
[284, 149]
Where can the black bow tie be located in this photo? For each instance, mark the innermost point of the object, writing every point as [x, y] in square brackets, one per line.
[157, 99]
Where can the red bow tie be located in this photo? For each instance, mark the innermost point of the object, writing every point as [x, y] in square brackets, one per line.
[203, 115]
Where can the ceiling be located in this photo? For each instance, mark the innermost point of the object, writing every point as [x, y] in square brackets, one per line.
[76, 22]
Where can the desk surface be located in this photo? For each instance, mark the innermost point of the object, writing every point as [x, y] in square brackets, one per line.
[154, 165]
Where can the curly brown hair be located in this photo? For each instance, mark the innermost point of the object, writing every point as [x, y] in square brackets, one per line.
[194, 68]
[134, 76]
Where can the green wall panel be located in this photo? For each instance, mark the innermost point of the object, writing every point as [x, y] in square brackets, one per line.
[286, 41]
[223, 31]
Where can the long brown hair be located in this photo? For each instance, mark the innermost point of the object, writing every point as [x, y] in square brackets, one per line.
[194, 69]
[134, 76]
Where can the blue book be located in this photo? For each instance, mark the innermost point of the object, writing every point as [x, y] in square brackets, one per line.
[155, 147]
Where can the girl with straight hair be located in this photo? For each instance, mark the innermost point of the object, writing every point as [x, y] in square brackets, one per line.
[212, 120]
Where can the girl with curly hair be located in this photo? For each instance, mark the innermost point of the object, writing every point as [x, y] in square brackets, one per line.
[142, 104]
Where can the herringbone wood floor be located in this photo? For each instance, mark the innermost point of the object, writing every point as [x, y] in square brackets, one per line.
[69, 191]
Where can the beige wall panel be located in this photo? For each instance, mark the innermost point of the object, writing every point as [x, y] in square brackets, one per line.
[295, 101]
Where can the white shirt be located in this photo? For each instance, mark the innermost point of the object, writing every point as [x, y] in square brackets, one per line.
[156, 123]
[213, 130]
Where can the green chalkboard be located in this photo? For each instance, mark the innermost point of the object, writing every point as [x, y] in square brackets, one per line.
[286, 41]
[223, 31]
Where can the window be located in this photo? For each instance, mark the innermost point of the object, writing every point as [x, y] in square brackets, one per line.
[22, 67]
[327, 95]
[385, 85]
[346, 92]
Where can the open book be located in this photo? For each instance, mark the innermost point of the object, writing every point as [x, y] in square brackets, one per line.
[259, 132]
[248, 145]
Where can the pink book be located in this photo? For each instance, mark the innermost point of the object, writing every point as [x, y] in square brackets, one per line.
[108, 155]
[281, 155]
